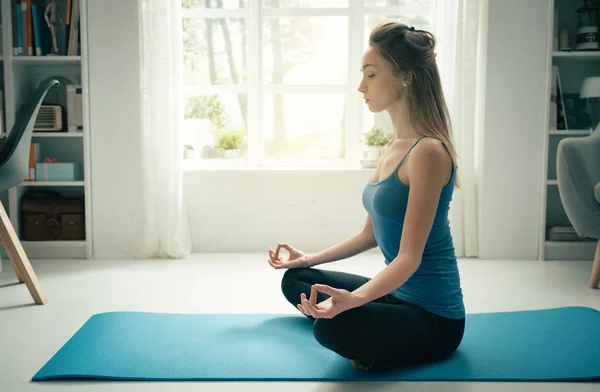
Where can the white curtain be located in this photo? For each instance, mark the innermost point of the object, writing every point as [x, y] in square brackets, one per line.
[160, 227]
[463, 69]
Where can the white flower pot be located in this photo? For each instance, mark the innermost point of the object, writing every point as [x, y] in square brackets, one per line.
[373, 153]
[188, 154]
[229, 154]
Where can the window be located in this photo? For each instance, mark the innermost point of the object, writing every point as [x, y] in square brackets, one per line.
[274, 82]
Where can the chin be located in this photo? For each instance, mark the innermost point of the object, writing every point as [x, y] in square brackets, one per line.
[374, 109]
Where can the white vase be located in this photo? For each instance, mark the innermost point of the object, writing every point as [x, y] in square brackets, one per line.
[188, 154]
[229, 154]
[373, 153]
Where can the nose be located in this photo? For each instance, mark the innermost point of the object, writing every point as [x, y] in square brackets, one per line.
[361, 87]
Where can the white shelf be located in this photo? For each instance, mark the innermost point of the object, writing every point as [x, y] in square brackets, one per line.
[53, 183]
[573, 66]
[571, 133]
[52, 249]
[570, 250]
[584, 55]
[57, 134]
[21, 75]
[46, 59]
[55, 249]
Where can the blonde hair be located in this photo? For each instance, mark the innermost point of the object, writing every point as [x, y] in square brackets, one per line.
[411, 53]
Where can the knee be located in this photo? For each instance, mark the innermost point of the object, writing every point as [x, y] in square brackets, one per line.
[327, 333]
[290, 276]
[322, 331]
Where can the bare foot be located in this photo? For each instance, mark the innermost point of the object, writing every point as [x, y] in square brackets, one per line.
[363, 364]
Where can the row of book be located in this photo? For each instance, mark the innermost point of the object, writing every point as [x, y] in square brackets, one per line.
[41, 29]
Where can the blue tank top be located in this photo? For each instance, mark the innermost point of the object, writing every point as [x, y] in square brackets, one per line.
[435, 286]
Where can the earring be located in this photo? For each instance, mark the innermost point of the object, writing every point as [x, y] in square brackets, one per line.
[404, 84]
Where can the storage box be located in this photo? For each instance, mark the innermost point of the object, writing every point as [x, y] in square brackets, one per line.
[47, 216]
[58, 171]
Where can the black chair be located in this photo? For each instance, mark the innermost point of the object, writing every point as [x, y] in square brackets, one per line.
[14, 169]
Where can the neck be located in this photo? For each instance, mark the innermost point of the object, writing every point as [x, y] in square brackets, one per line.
[399, 115]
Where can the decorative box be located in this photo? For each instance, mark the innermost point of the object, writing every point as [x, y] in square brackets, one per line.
[58, 171]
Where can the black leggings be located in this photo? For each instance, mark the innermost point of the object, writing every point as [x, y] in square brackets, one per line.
[386, 329]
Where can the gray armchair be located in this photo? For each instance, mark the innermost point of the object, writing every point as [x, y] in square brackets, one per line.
[578, 172]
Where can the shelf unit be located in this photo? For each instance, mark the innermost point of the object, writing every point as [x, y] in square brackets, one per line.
[574, 67]
[21, 75]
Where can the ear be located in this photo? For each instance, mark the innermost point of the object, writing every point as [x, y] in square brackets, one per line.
[407, 78]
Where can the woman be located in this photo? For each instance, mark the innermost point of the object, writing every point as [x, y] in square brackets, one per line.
[412, 311]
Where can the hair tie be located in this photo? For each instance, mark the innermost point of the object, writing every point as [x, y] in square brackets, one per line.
[412, 28]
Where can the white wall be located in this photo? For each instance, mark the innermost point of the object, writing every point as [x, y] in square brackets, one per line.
[114, 71]
[249, 211]
[514, 128]
[234, 211]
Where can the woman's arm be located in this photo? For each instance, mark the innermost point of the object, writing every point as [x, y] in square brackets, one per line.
[427, 172]
[357, 243]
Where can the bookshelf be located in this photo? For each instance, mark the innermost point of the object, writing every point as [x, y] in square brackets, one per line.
[21, 74]
[573, 67]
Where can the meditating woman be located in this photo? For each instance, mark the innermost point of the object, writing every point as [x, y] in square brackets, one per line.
[412, 311]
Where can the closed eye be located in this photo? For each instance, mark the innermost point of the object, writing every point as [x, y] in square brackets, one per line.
[371, 75]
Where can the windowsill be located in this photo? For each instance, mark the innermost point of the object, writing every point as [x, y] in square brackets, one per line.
[243, 166]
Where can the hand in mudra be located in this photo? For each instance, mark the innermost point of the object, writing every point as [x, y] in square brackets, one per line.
[339, 301]
[295, 259]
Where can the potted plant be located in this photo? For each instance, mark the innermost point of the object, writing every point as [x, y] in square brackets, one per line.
[188, 152]
[231, 142]
[375, 139]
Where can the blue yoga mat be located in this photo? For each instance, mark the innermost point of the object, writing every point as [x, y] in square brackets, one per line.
[561, 344]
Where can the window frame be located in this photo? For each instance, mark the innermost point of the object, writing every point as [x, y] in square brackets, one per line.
[255, 14]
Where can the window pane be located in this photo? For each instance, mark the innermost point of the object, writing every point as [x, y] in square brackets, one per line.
[387, 3]
[370, 120]
[306, 50]
[208, 117]
[214, 51]
[213, 3]
[304, 126]
[305, 3]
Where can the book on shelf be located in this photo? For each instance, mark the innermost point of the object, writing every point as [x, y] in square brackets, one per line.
[35, 156]
[558, 115]
[2, 131]
[32, 35]
[74, 108]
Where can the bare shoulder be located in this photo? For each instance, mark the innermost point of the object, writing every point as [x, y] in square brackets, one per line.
[430, 157]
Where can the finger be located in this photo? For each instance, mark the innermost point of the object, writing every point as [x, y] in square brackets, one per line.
[301, 308]
[313, 295]
[276, 260]
[285, 246]
[309, 307]
[326, 289]
[272, 254]
[279, 246]
[302, 302]
[274, 264]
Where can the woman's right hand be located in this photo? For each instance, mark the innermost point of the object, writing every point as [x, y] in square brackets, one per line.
[296, 258]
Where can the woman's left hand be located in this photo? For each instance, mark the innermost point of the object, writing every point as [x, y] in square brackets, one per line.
[339, 301]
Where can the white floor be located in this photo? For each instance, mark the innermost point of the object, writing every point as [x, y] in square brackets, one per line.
[30, 335]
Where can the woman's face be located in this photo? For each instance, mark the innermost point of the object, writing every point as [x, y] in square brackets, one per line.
[379, 87]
